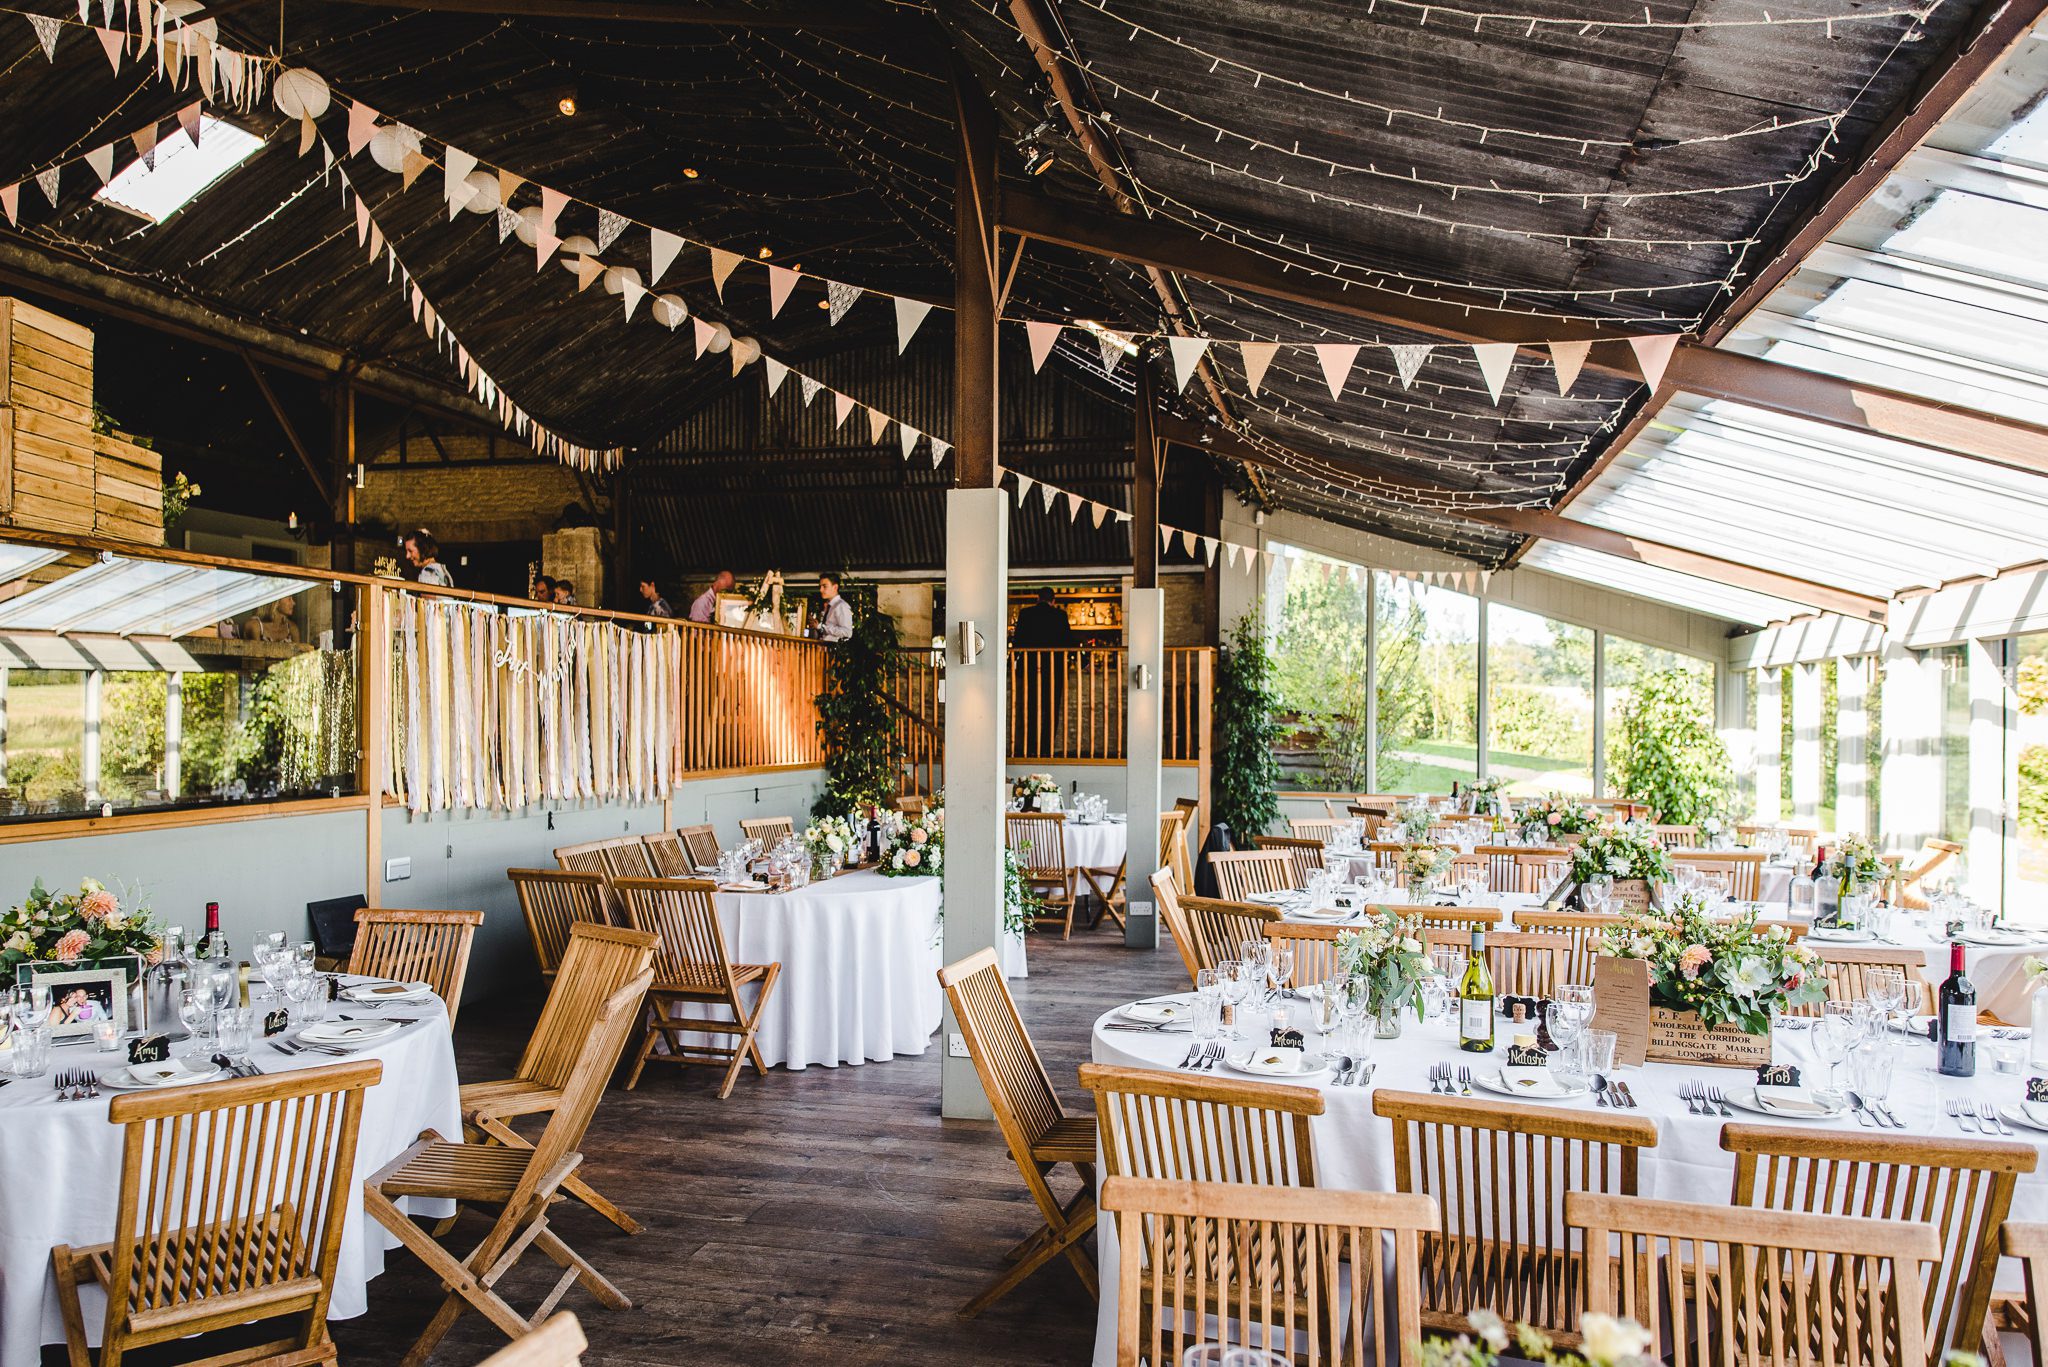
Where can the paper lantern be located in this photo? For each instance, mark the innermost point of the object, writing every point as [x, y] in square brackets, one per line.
[574, 248]
[528, 227]
[301, 94]
[745, 351]
[483, 192]
[670, 311]
[616, 278]
[721, 338]
[390, 144]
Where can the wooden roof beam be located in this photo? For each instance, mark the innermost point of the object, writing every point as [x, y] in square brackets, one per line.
[785, 15]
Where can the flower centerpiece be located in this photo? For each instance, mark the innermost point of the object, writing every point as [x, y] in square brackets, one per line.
[1630, 855]
[69, 927]
[918, 847]
[1386, 959]
[1547, 819]
[1854, 860]
[1036, 792]
[829, 839]
[1486, 797]
[1714, 985]
[1714, 831]
[1604, 1341]
[1420, 864]
[1415, 820]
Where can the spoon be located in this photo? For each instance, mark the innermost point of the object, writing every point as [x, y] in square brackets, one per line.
[1599, 1090]
[1344, 1067]
[1856, 1105]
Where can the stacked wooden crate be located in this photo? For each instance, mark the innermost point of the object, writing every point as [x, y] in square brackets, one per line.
[56, 473]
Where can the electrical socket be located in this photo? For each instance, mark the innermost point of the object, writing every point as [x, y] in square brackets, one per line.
[396, 870]
[956, 1045]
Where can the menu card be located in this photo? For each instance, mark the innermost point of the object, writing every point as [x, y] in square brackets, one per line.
[1621, 1003]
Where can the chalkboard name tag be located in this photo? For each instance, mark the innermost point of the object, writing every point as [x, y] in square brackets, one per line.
[1777, 1075]
[150, 1049]
[2037, 1089]
[276, 1022]
[1531, 1057]
[1289, 1039]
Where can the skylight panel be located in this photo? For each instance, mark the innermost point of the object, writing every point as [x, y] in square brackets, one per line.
[182, 171]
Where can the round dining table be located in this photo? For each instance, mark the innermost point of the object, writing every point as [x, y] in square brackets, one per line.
[62, 1166]
[1096, 844]
[1354, 1147]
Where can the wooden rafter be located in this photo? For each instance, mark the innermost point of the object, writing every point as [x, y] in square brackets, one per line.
[782, 15]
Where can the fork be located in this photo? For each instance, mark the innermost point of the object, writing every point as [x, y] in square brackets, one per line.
[1689, 1094]
[1465, 1081]
[1719, 1098]
[1193, 1051]
[1963, 1117]
[1215, 1057]
[1987, 1111]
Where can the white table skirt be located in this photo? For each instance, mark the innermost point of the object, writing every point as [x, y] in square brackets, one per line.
[1098, 845]
[62, 1167]
[1354, 1147]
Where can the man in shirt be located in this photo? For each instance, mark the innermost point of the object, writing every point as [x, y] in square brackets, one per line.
[835, 618]
[424, 554]
[705, 606]
[657, 606]
[543, 589]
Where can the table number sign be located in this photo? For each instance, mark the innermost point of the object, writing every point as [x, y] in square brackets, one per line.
[1621, 1003]
[276, 1022]
[150, 1049]
[1777, 1075]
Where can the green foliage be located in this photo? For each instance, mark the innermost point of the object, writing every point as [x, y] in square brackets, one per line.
[2033, 776]
[1320, 676]
[855, 720]
[2032, 684]
[1529, 720]
[1245, 772]
[1670, 756]
[178, 495]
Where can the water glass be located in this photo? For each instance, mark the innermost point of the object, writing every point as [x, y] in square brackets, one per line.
[31, 1050]
[1596, 1049]
[1835, 1034]
[32, 1005]
[1568, 1066]
[234, 1029]
[1870, 1070]
[195, 1011]
[1208, 1016]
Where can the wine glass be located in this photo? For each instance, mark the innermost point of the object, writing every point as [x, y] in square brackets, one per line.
[1236, 984]
[1885, 988]
[1281, 966]
[1257, 958]
[1835, 1035]
[195, 1010]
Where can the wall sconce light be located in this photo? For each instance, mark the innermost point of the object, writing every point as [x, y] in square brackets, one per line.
[1141, 678]
[971, 643]
[291, 521]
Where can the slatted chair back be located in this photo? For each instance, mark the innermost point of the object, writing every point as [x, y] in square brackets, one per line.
[1733, 1287]
[1240, 873]
[1317, 828]
[1306, 854]
[1222, 926]
[1167, 898]
[1744, 868]
[1581, 929]
[1463, 920]
[554, 900]
[665, 853]
[626, 857]
[1349, 1301]
[913, 804]
[2028, 1243]
[599, 960]
[1500, 1176]
[1934, 856]
[1151, 1123]
[1960, 1188]
[408, 945]
[767, 829]
[1522, 964]
[700, 842]
[1173, 848]
[1848, 969]
[232, 1201]
[1677, 837]
[1019, 1090]
[1386, 854]
[1314, 946]
[588, 857]
[1537, 871]
[1499, 862]
[557, 1343]
[683, 914]
[1039, 840]
[1620, 808]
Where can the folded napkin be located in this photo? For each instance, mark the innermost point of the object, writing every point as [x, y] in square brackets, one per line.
[750, 885]
[1790, 1101]
[1275, 1062]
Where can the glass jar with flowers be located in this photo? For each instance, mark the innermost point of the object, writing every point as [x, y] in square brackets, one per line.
[1384, 958]
[830, 842]
[1420, 865]
[1036, 793]
[1485, 797]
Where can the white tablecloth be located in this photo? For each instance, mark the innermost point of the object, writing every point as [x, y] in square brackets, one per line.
[1097, 845]
[60, 1170]
[1354, 1147]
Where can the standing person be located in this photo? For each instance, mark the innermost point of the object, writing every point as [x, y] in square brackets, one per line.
[565, 594]
[835, 617]
[657, 606]
[1043, 627]
[705, 606]
[423, 553]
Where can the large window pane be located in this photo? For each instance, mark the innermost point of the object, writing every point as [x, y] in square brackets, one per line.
[1954, 751]
[45, 737]
[1628, 664]
[1679, 736]
[2030, 753]
[1320, 673]
[1428, 647]
[1539, 703]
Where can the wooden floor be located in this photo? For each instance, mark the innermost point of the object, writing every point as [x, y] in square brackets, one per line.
[822, 1217]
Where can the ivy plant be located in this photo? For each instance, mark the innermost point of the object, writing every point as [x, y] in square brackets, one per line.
[855, 720]
[1244, 773]
[1670, 756]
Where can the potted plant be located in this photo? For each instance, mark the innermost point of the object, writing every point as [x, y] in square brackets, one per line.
[1714, 985]
[1036, 793]
[1549, 820]
[1630, 857]
[1386, 959]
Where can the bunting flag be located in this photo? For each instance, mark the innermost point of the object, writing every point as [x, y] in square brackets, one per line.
[661, 253]
[1257, 356]
[1165, 539]
[144, 139]
[1041, 337]
[910, 315]
[777, 372]
[907, 436]
[188, 121]
[544, 243]
[588, 269]
[723, 264]
[609, 226]
[47, 27]
[840, 296]
[101, 160]
[1187, 542]
[10, 200]
[1653, 354]
[1337, 359]
[878, 423]
[1408, 359]
[1567, 358]
[939, 449]
[113, 42]
[1187, 353]
[1098, 511]
[508, 222]
[1022, 487]
[508, 185]
[362, 126]
[1496, 359]
[1112, 344]
[781, 280]
[409, 170]
[841, 406]
[456, 165]
[309, 133]
[633, 291]
[1046, 494]
[810, 388]
[552, 202]
[702, 332]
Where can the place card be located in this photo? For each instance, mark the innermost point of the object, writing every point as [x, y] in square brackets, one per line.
[1531, 1056]
[276, 1022]
[1289, 1039]
[149, 1049]
[1621, 1003]
[1777, 1075]
[2037, 1089]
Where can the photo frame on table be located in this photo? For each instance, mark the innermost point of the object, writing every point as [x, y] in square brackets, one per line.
[83, 993]
[732, 609]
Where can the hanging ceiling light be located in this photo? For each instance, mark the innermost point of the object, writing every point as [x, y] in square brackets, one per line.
[1036, 147]
[567, 104]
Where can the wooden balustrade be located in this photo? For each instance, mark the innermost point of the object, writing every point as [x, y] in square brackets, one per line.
[748, 700]
[914, 687]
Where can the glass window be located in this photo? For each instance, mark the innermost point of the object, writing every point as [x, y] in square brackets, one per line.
[1321, 674]
[1628, 663]
[1428, 648]
[1745, 770]
[1830, 745]
[2029, 656]
[1954, 750]
[1539, 703]
[45, 739]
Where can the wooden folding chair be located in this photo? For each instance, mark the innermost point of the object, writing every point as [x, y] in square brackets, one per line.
[700, 842]
[1582, 930]
[2029, 1244]
[1503, 868]
[1535, 870]
[599, 960]
[1317, 828]
[665, 853]
[767, 829]
[692, 965]
[1737, 1287]
[1330, 1299]
[1173, 848]
[1959, 1188]
[522, 1184]
[1464, 920]
[1847, 966]
[1190, 811]
[588, 857]
[1111, 895]
[1522, 964]
[1505, 1243]
[232, 1200]
[416, 946]
[1913, 875]
[1039, 841]
[1306, 854]
[1039, 1132]
[553, 901]
[1240, 873]
[1220, 927]
[558, 1343]
[1314, 946]
[1744, 868]
[1677, 837]
[1167, 898]
[913, 804]
[625, 856]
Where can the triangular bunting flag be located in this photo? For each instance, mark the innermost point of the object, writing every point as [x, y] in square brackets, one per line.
[552, 202]
[188, 120]
[1230, 549]
[609, 226]
[544, 243]
[409, 169]
[1166, 538]
[1337, 358]
[101, 160]
[939, 449]
[910, 315]
[85, 11]
[1408, 359]
[456, 165]
[1187, 354]
[1023, 488]
[777, 373]
[1112, 344]
[1041, 337]
[841, 406]
[362, 126]
[840, 296]
[416, 299]
[878, 423]
[1566, 358]
[723, 264]
[362, 221]
[588, 269]
[1187, 541]
[114, 43]
[309, 133]
[703, 333]
[661, 253]
[1496, 359]
[144, 139]
[1257, 356]
[376, 246]
[1653, 354]
[10, 200]
[907, 436]
[1046, 494]
[1209, 544]
[1074, 502]
[781, 280]
[1098, 511]
[508, 221]
[810, 388]
[633, 290]
[47, 27]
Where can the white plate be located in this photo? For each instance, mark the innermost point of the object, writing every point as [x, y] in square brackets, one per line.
[148, 1076]
[1156, 1013]
[371, 993]
[2023, 1113]
[1274, 899]
[1312, 1065]
[1998, 940]
[1549, 1091]
[1746, 1098]
[1321, 914]
[348, 1032]
[750, 885]
[1841, 937]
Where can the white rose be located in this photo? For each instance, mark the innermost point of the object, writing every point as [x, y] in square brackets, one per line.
[21, 942]
[1491, 1329]
[835, 844]
[1609, 1340]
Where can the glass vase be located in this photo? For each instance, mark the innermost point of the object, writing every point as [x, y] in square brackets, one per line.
[1418, 891]
[1386, 1020]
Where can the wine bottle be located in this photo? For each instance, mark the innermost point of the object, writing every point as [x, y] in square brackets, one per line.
[214, 944]
[1955, 1021]
[1475, 1001]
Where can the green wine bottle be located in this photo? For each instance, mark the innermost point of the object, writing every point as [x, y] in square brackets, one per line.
[1475, 995]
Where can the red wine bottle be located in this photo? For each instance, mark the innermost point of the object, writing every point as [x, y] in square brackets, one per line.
[1955, 1022]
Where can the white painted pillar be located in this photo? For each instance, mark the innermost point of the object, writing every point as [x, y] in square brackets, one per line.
[1480, 711]
[1806, 692]
[1910, 768]
[1991, 721]
[89, 747]
[5, 674]
[977, 586]
[174, 736]
[1852, 741]
[1144, 687]
[1770, 721]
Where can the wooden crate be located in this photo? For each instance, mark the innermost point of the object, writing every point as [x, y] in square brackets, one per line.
[127, 489]
[1678, 1037]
